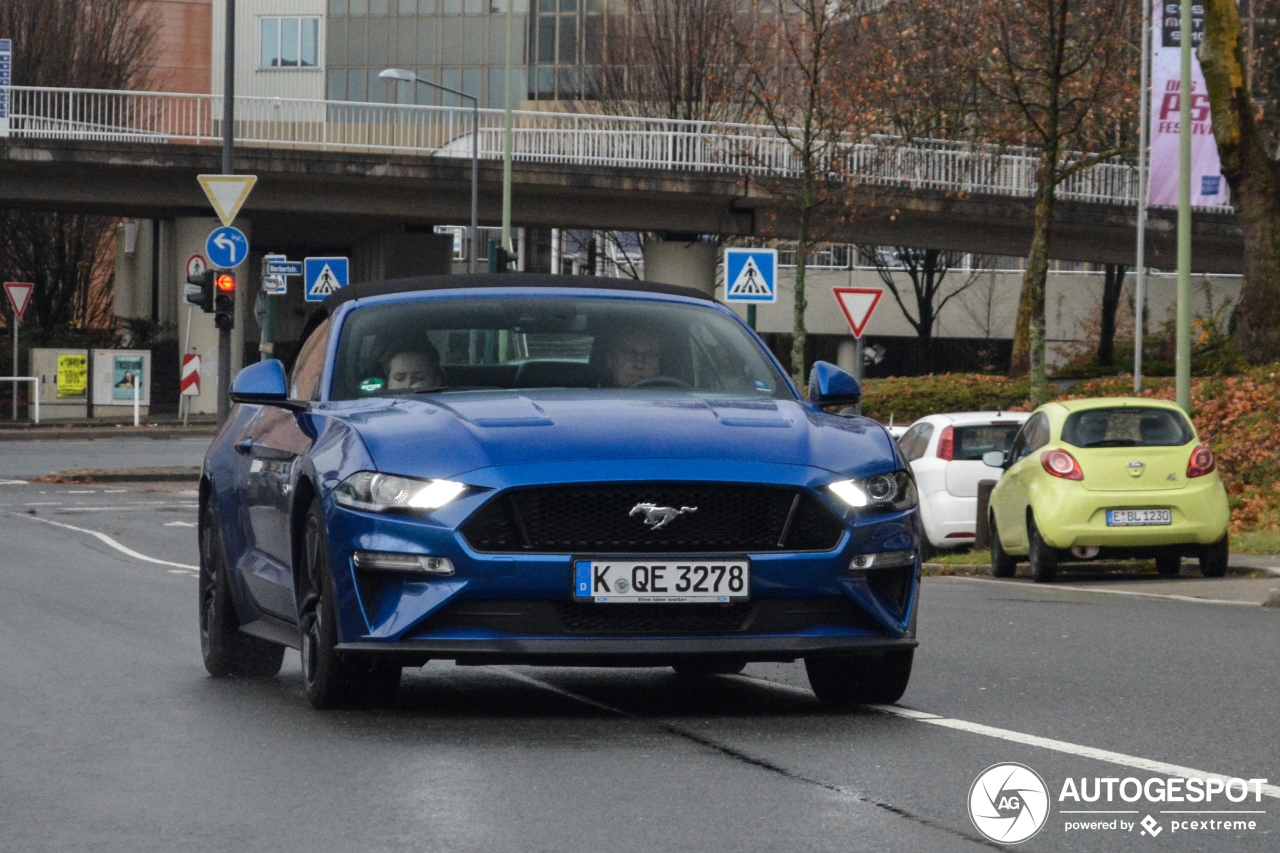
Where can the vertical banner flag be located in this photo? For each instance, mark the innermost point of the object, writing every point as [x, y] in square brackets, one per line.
[6, 79]
[1208, 187]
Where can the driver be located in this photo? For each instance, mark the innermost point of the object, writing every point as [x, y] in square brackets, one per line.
[635, 356]
[414, 369]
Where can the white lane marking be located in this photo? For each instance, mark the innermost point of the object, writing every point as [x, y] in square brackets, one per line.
[14, 483]
[179, 524]
[108, 540]
[79, 491]
[1165, 595]
[1134, 761]
[1106, 755]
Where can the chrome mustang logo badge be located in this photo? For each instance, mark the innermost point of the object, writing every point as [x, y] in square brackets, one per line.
[658, 517]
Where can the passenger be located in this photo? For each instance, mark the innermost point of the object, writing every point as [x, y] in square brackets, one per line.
[634, 356]
[414, 369]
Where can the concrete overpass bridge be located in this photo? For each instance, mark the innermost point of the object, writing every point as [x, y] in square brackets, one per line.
[330, 172]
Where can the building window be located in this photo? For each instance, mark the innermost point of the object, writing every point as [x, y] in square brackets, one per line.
[290, 42]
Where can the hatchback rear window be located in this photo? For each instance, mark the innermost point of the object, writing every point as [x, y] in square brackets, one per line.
[1130, 426]
[971, 442]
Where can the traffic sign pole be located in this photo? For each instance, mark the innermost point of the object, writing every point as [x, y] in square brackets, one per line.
[14, 372]
[19, 293]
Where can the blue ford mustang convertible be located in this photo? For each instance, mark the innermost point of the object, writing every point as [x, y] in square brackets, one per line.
[556, 471]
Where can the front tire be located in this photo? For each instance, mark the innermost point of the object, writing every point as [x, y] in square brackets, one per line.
[1002, 565]
[1214, 558]
[879, 678]
[227, 652]
[1043, 557]
[331, 679]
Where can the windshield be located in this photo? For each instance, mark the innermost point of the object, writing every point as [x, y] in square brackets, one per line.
[438, 345]
[1130, 426]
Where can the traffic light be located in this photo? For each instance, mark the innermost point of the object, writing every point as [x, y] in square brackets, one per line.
[224, 300]
[202, 297]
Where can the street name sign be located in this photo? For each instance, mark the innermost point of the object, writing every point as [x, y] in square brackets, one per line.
[750, 275]
[227, 193]
[858, 304]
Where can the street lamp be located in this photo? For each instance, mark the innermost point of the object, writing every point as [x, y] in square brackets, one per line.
[405, 76]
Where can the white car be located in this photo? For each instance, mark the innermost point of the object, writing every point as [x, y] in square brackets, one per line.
[945, 454]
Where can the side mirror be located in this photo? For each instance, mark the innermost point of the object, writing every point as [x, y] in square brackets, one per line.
[263, 384]
[993, 458]
[831, 386]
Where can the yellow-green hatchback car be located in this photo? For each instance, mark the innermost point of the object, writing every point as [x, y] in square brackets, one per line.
[1106, 478]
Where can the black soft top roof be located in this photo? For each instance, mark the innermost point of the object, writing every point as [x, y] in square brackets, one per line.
[510, 279]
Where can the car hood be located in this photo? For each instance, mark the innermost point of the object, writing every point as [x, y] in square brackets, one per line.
[447, 435]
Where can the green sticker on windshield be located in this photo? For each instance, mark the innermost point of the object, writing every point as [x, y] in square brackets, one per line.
[372, 384]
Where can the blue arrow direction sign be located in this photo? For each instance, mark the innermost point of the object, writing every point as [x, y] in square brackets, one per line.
[324, 276]
[750, 275]
[284, 267]
[226, 247]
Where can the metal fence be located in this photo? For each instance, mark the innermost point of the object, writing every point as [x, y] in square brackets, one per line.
[572, 138]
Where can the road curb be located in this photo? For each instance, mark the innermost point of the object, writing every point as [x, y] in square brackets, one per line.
[123, 475]
[90, 433]
[976, 569]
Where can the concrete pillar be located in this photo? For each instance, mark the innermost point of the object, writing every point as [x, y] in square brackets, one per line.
[684, 264]
[846, 352]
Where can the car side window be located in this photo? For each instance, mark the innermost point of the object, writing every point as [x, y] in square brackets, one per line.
[305, 380]
[915, 441]
[1019, 447]
[1037, 433]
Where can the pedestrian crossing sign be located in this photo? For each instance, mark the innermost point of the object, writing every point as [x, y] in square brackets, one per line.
[323, 276]
[750, 275]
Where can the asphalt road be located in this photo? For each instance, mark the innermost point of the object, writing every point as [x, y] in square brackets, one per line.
[116, 739]
[40, 457]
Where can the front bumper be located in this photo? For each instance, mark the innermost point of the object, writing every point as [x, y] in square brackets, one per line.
[1075, 516]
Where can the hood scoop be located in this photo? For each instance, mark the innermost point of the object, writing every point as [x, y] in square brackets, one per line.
[499, 411]
[750, 413]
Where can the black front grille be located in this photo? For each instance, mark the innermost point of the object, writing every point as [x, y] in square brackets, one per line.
[599, 520]
[569, 618]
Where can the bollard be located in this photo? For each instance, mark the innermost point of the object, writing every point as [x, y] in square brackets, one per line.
[982, 530]
[137, 390]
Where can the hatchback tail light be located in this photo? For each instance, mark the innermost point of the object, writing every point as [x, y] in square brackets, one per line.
[947, 444]
[1202, 462]
[1062, 464]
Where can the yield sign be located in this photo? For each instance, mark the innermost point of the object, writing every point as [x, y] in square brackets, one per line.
[19, 293]
[226, 193]
[858, 303]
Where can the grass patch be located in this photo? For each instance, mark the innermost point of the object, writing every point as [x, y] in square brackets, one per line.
[962, 558]
[1256, 542]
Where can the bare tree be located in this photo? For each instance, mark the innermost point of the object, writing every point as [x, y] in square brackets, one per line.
[1061, 70]
[93, 44]
[1248, 168]
[798, 88]
[982, 304]
[671, 59]
[927, 270]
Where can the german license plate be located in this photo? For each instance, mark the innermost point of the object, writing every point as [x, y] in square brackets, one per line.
[678, 581]
[1138, 517]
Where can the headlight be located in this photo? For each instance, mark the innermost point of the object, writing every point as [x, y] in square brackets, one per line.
[382, 492]
[894, 491]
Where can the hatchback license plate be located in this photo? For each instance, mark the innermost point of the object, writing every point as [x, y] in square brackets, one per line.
[679, 581]
[1138, 517]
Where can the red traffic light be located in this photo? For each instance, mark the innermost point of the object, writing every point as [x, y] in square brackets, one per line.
[226, 282]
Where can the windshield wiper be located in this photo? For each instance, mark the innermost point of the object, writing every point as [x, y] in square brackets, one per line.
[436, 389]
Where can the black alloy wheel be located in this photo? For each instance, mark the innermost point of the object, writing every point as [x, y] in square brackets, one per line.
[332, 679]
[876, 678]
[1002, 564]
[227, 652]
[1043, 557]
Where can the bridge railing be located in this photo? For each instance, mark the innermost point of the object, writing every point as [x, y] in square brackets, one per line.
[570, 138]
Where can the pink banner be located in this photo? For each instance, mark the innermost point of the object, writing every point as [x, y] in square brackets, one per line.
[1208, 187]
